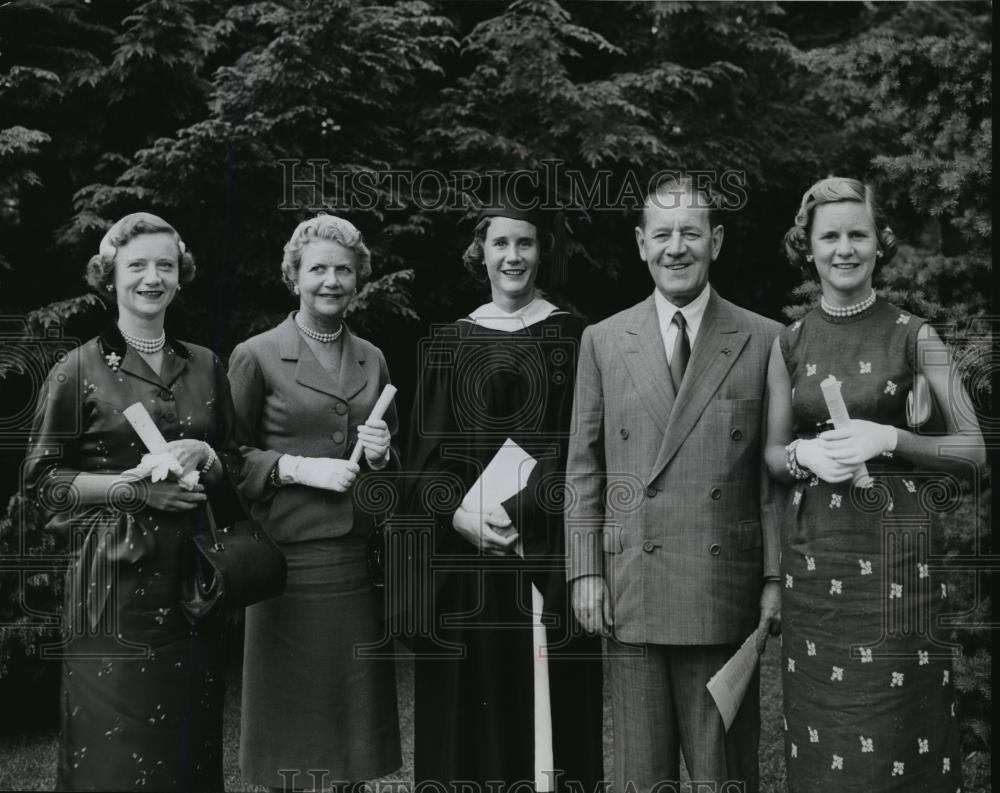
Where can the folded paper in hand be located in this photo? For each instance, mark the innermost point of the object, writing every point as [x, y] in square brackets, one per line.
[729, 685]
[160, 466]
[159, 463]
[505, 476]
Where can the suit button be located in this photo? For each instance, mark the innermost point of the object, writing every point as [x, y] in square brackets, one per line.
[171, 417]
[715, 493]
[715, 549]
[736, 434]
[338, 437]
[166, 395]
[624, 434]
[341, 408]
[648, 546]
[651, 491]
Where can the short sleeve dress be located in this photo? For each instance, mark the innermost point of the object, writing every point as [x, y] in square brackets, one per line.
[869, 701]
[142, 687]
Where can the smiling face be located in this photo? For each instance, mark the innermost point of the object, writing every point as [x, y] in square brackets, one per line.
[327, 279]
[147, 274]
[844, 245]
[678, 244]
[511, 256]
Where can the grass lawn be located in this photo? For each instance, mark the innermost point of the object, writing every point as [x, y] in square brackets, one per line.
[27, 761]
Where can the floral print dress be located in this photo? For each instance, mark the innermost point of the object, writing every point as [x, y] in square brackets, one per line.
[869, 698]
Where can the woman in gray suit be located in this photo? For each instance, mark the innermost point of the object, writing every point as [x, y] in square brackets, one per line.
[314, 715]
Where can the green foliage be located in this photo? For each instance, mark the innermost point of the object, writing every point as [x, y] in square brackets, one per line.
[189, 108]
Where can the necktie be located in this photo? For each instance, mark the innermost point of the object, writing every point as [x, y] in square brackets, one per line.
[682, 351]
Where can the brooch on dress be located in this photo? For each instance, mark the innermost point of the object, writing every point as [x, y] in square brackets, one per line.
[114, 360]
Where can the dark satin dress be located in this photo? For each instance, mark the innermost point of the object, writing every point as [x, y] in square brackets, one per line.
[867, 674]
[474, 674]
[142, 688]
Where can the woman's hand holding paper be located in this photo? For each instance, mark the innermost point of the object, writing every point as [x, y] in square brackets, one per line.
[815, 455]
[375, 439]
[491, 532]
[326, 473]
[859, 441]
[163, 467]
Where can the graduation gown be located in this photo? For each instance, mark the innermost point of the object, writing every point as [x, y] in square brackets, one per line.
[476, 674]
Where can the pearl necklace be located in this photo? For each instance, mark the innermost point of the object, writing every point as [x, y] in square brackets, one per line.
[323, 338]
[848, 311]
[145, 346]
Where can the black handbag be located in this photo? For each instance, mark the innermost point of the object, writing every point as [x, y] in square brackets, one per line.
[236, 565]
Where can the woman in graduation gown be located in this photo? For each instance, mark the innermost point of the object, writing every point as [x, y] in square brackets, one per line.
[142, 687]
[498, 696]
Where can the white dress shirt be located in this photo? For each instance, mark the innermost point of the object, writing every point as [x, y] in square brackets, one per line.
[692, 313]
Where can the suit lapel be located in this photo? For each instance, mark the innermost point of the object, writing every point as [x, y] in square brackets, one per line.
[646, 361]
[719, 343]
[352, 366]
[135, 365]
[311, 374]
[175, 361]
[115, 351]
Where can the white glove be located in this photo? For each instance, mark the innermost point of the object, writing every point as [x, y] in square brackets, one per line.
[326, 473]
[859, 441]
[159, 467]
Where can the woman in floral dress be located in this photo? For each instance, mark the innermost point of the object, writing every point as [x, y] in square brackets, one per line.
[868, 686]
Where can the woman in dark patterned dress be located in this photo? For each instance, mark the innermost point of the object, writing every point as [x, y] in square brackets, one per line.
[142, 687]
[868, 687]
[507, 686]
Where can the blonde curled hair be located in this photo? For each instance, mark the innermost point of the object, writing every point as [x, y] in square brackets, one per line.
[831, 190]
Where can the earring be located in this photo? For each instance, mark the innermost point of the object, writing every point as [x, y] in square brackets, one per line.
[809, 258]
[111, 287]
[178, 287]
[878, 254]
[295, 289]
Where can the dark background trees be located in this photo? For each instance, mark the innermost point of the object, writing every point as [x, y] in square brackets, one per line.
[189, 107]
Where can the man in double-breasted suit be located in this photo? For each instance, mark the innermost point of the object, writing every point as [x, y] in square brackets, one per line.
[671, 530]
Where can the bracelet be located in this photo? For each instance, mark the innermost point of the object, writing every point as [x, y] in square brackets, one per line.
[792, 461]
[275, 476]
[209, 461]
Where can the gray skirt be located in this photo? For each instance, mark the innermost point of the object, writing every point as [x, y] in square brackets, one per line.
[314, 713]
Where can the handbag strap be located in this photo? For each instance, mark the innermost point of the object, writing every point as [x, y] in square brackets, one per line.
[213, 530]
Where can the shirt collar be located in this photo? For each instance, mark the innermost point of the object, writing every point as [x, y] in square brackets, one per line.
[692, 312]
[491, 316]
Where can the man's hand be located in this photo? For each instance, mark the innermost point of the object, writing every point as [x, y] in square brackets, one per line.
[592, 604]
[490, 532]
[770, 613]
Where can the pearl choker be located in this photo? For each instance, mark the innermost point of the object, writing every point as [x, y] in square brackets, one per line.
[848, 311]
[145, 346]
[323, 338]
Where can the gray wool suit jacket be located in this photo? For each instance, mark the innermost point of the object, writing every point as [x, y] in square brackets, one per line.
[669, 498]
[287, 403]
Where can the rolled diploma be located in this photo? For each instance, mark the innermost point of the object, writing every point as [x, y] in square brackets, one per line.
[144, 427]
[838, 415]
[384, 400]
